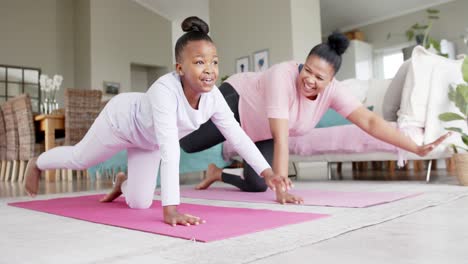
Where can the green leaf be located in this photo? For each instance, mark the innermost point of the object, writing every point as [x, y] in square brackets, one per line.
[454, 148]
[462, 91]
[452, 94]
[409, 34]
[435, 44]
[465, 69]
[454, 129]
[446, 117]
[432, 11]
[461, 95]
[465, 139]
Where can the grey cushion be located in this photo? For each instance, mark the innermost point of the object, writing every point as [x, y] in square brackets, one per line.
[392, 97]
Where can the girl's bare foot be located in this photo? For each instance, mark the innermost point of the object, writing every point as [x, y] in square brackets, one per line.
[117, 191]
[213, 174]
[33, 175]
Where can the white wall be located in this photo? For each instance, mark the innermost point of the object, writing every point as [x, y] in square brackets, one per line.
[123, 32]
[176, 11]
[82, 44]
[357, 62]
[139, 78]
[88, 42]
[305, 27]
[142, 76]
[200, 10]
[452, 23]
[288, 29]
[239, 28]
[39, 34]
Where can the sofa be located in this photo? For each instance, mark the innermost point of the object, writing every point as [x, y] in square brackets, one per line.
[412, 101]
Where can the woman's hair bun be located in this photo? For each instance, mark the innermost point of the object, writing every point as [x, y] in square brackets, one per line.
[338, 42]
[194, 23]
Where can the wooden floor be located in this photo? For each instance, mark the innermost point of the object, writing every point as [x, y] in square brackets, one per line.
[368, 173]
[387, 170]
[15, 189]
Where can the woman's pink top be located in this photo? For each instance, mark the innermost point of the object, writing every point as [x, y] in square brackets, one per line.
[273, 94]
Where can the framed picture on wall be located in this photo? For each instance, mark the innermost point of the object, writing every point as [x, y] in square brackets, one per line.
[111, 88]
[261, 60]
[242, 64]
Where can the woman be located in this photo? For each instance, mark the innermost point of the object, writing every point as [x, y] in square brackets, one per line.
[149, 125]
[288, 100]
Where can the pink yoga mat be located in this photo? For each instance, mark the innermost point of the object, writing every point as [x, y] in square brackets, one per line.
[221, 222]
[311, 197]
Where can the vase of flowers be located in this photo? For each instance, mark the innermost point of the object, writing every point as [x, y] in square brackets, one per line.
[49, 88]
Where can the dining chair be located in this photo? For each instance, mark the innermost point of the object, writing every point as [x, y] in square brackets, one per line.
[3, 143]
[12, 141]
[28, 146]
[81, 109]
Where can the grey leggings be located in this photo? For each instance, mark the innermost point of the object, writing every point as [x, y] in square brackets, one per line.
[208, 136]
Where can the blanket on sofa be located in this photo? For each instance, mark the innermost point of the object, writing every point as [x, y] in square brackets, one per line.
[189, 162]
[425, 94]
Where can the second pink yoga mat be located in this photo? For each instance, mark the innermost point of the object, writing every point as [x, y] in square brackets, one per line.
[311, 197]
[222, 222]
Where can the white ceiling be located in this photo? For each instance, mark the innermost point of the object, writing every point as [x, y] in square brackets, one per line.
[351, 14]
[335, 14]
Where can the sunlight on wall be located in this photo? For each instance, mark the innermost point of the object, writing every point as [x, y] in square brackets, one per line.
[391, 64]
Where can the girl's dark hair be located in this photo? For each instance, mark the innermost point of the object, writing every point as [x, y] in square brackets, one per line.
[196, 29]
[331, 50]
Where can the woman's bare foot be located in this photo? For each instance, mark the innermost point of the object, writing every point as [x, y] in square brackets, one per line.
[33, 175]
[213, 174]
[117, 191]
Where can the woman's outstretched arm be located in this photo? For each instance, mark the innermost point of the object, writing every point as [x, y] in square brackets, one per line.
[376, 126]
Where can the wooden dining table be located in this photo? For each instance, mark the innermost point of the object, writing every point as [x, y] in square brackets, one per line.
[49, 123]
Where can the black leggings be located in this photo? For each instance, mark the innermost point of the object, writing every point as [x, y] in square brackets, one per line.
[208, 136]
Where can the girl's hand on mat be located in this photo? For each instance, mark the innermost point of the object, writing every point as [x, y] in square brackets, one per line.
[275, 181]
[285, 197]
[172, 217]
[425, 149]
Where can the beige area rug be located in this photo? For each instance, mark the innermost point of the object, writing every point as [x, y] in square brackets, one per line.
[32, 237]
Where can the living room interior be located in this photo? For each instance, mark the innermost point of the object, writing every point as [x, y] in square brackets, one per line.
[118, 46]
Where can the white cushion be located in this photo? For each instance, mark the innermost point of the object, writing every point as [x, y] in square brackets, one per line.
[357, 88]
[426, 73]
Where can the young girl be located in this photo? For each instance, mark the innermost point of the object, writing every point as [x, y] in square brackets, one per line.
[288, 100]
[149, 125]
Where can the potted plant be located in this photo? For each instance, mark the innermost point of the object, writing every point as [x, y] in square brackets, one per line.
[420, 33]
[459, 96]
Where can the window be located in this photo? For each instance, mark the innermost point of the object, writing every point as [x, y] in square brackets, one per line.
[16, 80]
[391, 63]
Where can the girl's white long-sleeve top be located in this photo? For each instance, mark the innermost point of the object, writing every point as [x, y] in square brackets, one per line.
[158, 118]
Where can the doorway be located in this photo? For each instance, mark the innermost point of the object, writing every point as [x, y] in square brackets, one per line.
[143, 76]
